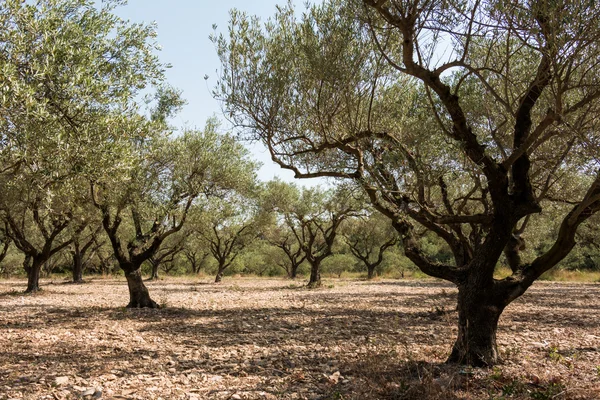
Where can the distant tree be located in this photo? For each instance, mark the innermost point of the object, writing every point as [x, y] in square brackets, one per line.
[166, 254]
[83, 243]
[282, 237]
[105, 257]
[313, 216]
[227, 227]
[278, 198]
[37, 225]
[368, 238]
[196, 253]
[462, 118]
[338, 263]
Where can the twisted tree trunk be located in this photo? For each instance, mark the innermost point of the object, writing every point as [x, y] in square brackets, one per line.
[139, 297]
[478, 315]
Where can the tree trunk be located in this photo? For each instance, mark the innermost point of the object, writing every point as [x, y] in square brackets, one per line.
[219, 276]
[77, 268]
[370, 271]
[195, 268]
[139, 297]
[155, 265]
[478, 315]
[293, 272]
[315, 275]
[33, 268]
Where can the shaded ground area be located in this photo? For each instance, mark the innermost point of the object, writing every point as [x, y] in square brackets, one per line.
[272, 339]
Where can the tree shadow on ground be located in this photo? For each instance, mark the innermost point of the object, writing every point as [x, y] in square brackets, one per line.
[350, 345]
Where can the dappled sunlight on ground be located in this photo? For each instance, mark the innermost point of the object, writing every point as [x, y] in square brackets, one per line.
[271, 339]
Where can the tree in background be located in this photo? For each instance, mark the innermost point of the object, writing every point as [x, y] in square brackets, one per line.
[368, 238]
[314, 217]
[228, 225]
[166, 254]
[282, 237]
[83, 243]
[278, 198]
[158, 193]
[195, 252]
[463, 119]
[38, 224]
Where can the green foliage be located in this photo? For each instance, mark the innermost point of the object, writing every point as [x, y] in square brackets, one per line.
[368, 92]
[69, 75]
[337, 264]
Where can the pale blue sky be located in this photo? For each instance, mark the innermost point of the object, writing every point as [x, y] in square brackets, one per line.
[183, 30]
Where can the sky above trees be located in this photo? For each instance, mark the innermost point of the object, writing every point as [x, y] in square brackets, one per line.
[183, 30]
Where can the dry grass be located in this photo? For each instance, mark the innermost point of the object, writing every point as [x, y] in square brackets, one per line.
[271, 339]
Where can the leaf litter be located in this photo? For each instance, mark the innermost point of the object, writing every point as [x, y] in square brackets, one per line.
[270, 339]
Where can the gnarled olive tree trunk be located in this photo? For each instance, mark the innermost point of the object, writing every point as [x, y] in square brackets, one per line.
[478, 314]
[139, 297]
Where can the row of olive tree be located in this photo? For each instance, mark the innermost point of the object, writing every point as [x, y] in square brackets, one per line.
[77, 150]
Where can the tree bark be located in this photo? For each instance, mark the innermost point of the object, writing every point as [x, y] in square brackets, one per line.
[293, 272]
[33, 268]
[478, 314]
[315, 275]
[139, 297]
[154, 274]
[77, 267]
[370, 271]
[219, 276]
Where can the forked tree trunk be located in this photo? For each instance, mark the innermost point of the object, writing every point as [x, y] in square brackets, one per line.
[315, 275]
[139, 297]
[478, 315]
[77, 268]
[33, 268]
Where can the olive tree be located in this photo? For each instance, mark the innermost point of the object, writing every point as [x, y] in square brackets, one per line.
[68, 71]
[166, 254]
[462, 118]
[314, 217]
[368, 238]
[277, 198]
[228, 225]
[158, 193]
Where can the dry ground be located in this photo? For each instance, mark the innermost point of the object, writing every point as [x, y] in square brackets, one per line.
[273, 339]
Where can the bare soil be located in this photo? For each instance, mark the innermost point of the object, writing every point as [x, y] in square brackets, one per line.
[274, 339]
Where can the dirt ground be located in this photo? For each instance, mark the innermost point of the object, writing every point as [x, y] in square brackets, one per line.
[274, 339]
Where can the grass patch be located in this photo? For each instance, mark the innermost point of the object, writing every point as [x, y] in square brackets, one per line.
[561, 275]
